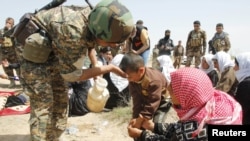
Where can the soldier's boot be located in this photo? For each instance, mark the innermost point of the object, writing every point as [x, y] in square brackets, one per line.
[12, 84]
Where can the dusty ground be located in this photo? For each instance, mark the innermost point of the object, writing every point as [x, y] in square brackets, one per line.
[90, 127]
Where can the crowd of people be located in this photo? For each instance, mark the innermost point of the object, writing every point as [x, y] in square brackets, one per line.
[213, 91]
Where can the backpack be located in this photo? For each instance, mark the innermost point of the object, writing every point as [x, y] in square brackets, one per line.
[78, 99]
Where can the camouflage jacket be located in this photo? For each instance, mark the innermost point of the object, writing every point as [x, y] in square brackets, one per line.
[221, 41]
[71, 38]
[196, 40]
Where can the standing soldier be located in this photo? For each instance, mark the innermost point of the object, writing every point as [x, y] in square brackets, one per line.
[166, 44]
[8, 50]
[178, 54]
[56, 54]
[196, 44]
[221, 41]
[139, 42]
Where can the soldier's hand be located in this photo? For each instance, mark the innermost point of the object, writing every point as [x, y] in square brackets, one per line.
[118, 71]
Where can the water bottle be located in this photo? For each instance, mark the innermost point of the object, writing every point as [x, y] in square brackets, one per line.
[98, 95]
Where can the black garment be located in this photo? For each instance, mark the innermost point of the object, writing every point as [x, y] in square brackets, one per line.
[211, 47]
[180, 131]
[14, 66]
[167, 42]
[136, 41]
[78, 99]
[214, 77]
[243, 97]
[116, 99]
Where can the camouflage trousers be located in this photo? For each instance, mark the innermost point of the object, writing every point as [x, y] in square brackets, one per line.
[154, 58]
[9, 53]
[48, 99]
[197, 58]
[177, 61]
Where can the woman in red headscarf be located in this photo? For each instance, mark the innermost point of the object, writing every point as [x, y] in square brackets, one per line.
[197, 104]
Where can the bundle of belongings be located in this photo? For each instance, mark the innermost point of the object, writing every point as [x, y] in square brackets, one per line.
[13, 103]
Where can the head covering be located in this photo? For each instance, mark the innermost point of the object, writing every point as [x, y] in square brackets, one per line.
[167, 31]
[120, 82]
[166, 64]
[199, 101]
[244, 66]
[197, 22]
[139, 22]
[111, 21]
[208, 58]
[224, 60]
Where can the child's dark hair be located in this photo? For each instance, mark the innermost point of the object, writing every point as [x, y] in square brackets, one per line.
[131, 62]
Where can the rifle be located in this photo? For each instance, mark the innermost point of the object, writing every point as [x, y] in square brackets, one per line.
[50, 5]
[90, 5]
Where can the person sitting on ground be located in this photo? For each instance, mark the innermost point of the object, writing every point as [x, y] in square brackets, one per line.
[197, 104]
[224, 64]
[147, 87]
[242, 73]
[117, 87]
[166, 65]
[207, 65]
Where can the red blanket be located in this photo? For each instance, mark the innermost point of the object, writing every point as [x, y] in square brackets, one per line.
[15, 110]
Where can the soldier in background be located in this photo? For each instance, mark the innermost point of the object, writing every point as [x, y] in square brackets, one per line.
[139, 41]
[221, 41]
[74, 32]
[196, 45]
[166, 44]
[178, 54]
[8, 50]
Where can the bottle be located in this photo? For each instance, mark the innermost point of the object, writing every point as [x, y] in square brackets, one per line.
[98, 95]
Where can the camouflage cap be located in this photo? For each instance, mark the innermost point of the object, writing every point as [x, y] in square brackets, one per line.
[111, 21]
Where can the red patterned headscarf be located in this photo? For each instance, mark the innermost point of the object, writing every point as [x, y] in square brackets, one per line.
[200, 101]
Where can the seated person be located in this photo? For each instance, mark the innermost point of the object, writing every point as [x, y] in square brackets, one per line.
[117, 86]
[196, 102]
[225, 65]
[207, 65]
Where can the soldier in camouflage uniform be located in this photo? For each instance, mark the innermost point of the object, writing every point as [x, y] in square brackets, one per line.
[196, 45]
[8, 50]
[74, 33]
[220, 41]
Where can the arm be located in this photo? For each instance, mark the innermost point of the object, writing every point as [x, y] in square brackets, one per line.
[204, 43]
[228, 44]
[226, 81]
[145, 41]
[161, 132]
[151, 99]
[95, 71]
[92, 56]
[6, 64]
[3, 76]
[187, 43]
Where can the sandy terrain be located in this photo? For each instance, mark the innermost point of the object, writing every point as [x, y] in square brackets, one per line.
[90, 127]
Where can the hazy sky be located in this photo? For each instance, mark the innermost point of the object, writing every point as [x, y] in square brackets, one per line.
[176, 15]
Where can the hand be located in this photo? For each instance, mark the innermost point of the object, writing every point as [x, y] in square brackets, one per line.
[4, 76]
[134, 132]
[5, 63]
[137, 122]
[167, 48]
[148, 124]
[115, 69]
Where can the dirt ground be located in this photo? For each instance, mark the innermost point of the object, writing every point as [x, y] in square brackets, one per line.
[90, 127]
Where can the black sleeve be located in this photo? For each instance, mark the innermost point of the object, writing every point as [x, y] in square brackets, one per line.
[162, 132]
[159, 44]
[14, 65]
[214, 77]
